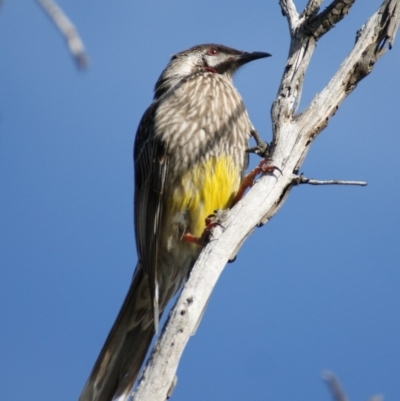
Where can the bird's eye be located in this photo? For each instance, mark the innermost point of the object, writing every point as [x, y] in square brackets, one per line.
[212, 51]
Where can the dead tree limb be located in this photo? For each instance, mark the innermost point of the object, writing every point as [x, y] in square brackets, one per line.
[337, 391]
[67, 30]
[304, 180]
[293, 134]
[334, 386]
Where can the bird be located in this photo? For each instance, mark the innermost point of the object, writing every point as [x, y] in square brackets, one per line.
[189, 160]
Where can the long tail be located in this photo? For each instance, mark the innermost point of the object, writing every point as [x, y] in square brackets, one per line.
[124, 351]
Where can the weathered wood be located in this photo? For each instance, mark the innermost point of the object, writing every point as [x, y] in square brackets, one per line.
[67, 30]
[325, 21]
[311, 8]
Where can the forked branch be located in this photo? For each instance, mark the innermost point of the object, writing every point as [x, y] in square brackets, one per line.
[337, 391]
[293, 134]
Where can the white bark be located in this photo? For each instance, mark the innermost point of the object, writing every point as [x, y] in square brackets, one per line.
[292, 136]
[67, 30]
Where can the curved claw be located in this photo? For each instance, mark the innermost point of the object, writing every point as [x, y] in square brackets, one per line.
[211, 222]
[248, 180]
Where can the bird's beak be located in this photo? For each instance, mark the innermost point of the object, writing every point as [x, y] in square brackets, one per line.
[246, 57]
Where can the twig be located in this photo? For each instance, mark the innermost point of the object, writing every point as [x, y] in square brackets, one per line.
[68, 30]
[300, 179]
[334, 386]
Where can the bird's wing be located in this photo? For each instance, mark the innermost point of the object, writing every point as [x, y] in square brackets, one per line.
[151, 167]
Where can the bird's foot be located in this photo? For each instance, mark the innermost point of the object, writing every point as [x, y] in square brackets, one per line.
[262, 148]
[249, 179]
[211, 222]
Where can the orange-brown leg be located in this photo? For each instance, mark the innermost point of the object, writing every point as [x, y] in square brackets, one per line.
[192, 239]
[248, 180]
[210, 223]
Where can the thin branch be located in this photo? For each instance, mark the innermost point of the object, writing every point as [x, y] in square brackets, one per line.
[327, 19]
[289, 11]
[334, 386]
[300, 179]
[68, 30]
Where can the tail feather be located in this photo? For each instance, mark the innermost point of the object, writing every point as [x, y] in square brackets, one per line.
[124, 351]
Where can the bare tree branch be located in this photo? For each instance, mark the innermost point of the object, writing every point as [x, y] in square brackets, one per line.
[323, 22]
[311, 8]
[334, 386]
[292, 136]
[393, 21]
[300, 179]
[289, 11]
[67, 29]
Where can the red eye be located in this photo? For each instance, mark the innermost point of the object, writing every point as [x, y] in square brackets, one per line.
[212, 51]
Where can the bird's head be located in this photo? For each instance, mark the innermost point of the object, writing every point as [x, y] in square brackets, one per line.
[217, 59]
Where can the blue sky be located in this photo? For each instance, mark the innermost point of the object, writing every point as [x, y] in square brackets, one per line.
[317, 288]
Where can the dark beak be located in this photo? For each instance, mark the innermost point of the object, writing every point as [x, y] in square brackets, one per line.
[246, 57]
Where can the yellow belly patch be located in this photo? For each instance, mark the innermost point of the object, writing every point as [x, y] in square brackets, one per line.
[205, 187]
